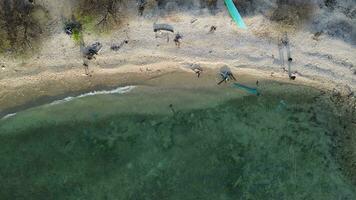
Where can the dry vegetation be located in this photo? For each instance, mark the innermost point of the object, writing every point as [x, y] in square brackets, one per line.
[22, 23]
[107, 12]
[293, 12]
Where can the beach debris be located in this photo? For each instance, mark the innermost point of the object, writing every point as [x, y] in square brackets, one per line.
[193, 20]
[162, 30]
[72, 26]
[116, 47]
[2, 64]
[226, 75]
[177, 38]
[162, 27]
[141, 6]
[317, 35]
[212, 29]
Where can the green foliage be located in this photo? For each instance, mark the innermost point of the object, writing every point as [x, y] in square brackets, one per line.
[99, 15]
[77, 35]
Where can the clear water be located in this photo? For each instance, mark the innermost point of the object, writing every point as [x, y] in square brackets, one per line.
[278, 145]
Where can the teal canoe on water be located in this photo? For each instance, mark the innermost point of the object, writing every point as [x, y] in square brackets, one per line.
[246, 88]
[235, 14]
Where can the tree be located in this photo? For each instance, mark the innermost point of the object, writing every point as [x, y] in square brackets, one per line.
[108, 10]
[17, 23]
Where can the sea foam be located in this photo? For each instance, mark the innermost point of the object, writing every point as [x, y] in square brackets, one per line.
[9, 115]
[119, 90]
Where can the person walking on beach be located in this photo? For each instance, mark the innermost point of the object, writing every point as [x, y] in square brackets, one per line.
[86, 66]
[285, 44]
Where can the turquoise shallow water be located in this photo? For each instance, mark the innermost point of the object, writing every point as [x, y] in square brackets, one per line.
[278, 145]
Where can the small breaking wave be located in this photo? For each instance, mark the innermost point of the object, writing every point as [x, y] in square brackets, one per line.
[119, 90]
[9, 115]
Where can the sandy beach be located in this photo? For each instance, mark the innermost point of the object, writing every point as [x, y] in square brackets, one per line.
[56, 71]
[95, 104]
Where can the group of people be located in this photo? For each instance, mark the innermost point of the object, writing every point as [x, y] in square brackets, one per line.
[90, 51]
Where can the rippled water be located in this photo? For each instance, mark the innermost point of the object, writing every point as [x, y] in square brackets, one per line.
[278, 145]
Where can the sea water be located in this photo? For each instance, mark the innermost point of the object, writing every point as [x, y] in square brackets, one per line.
[176, 144]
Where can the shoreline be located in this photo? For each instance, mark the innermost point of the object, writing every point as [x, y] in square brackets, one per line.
[37, 99]
[40, 101]
[105, 79]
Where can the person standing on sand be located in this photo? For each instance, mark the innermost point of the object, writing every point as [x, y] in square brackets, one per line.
[177, 39]
[141, 6]
[285, 44]
[86, 66]
[88, 53]
[198, 71]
